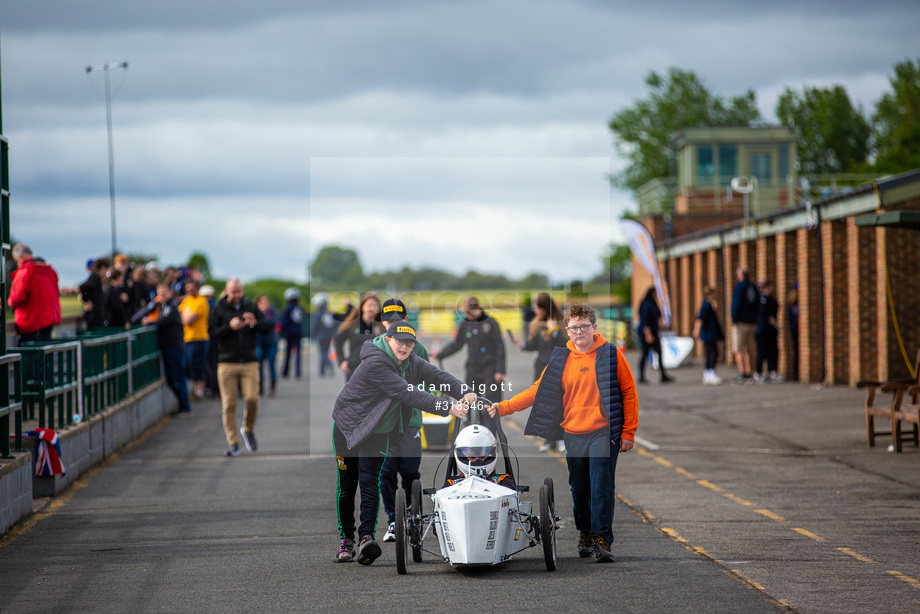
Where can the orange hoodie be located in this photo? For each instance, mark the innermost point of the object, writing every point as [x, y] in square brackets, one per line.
[581, 399]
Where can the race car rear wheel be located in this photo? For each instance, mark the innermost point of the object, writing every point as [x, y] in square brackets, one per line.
[415, 521]
[548, 524]
[401, 535]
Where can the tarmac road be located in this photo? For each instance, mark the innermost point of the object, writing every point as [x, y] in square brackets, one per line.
[170, 525]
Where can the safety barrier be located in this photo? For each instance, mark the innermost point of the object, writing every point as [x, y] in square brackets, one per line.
[11, 412]
[65, 381]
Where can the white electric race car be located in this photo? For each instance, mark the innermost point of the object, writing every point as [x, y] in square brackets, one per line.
[476, 521]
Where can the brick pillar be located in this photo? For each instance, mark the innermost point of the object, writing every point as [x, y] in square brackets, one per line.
[730, 258]
[811, 320]
[674, 290]
[765, 248]
[786, 276]
[836, 301]
[746, 259]
[685, 275]
[698, 267]
[863, 302]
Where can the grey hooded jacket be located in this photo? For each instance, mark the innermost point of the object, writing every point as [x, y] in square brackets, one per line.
[376, 383]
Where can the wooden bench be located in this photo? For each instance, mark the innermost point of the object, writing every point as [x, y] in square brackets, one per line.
[898, 389]
[906, 412]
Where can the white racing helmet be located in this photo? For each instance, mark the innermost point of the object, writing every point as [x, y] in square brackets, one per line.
[291, 293]
[475, 451]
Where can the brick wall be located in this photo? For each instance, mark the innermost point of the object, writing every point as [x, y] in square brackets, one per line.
[836, 301]
[786, 276]
[899, 255]
[863, 300]
[811, 319]
[730, 260]
[685, 272]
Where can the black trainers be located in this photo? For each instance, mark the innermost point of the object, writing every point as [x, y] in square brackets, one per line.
[346, 551]
[368, 550]
[249, 438]
[585, 545]
[602, 552]
[232, 450]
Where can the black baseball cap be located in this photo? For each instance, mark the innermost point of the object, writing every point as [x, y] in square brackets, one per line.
[402, 331]
[393, 309]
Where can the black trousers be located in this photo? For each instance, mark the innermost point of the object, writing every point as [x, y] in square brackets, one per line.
[646, 348]
[712, 354]
[359, 466]
[767, 351]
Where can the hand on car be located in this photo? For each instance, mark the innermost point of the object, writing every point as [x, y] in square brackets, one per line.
[492, 409]
[458, 410]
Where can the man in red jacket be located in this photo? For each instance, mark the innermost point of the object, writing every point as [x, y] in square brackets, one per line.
[35, 296]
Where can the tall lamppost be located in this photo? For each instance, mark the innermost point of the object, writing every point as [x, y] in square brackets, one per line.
[105, 68]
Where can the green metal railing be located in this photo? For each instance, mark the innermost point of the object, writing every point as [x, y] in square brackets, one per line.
[11, 410]
[51, 383]
[66, 381]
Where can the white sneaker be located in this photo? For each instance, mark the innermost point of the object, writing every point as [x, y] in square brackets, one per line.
[390, 535]
[708, 377]
[560, 446]
[546, 447]
[716, 380]
[758, 378]
[776, 378]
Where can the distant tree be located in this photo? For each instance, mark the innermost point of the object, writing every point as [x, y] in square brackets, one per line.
[141, 258]
[897, 121]
[835, 134]
[274, 289]
[200, 262]
[533, 281]
[678, 100]
[616, 269]
[337, 266]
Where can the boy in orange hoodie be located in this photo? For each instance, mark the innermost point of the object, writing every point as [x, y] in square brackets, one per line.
[586, 396]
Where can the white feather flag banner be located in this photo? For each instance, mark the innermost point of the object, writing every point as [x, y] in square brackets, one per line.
[643, 248]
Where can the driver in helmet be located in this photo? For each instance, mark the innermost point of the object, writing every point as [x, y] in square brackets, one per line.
[476, 453]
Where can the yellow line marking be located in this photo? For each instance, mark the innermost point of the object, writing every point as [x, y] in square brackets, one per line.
[709, 485]
[673, 535]
[771, 515]
[737, 499]
[662, 461]
[856, 555]
[702, 552]
[643, 452]
[744, 579]
[810, 535]
[912, 581]
[514, 426]
[685, 473]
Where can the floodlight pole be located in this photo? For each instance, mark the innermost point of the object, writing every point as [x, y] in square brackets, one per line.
[105, 68]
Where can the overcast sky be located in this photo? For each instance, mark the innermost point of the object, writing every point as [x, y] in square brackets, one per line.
[417, 132]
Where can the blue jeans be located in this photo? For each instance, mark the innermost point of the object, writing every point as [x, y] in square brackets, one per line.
[592, 462]
[323, 342]
[403, 459]
[174, 370]
[196, 360]
[266, 353]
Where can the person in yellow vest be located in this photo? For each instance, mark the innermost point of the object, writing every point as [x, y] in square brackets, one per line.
[194, 309]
